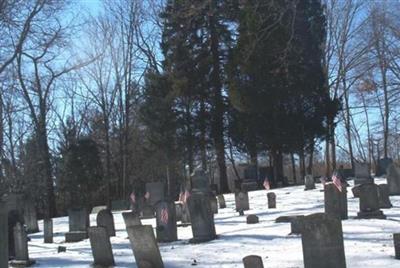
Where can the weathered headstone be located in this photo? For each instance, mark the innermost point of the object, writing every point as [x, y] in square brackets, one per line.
[3, 235]
[214, 204]
[253, 261]
[296, 224]
[383, 195]
[322, 241]
[362, 173]
[202, 217]
[185, 213]
[309, 182]
[369, 202]
[252, 219]
[144, 246]
[382, 166]
[118, 205]
[101, 247]
[199, 181]
[250, 179]
[146, 211]
[14, 217]
[105, 219]
[393, 179]
[48, 230]
[30, 217]
[356, 191]
[131, 219]
[221, 201]
[336, 201]
[178, 210]
[166, 229]
[21, 247]
[396, 242]
[156, 192]
[271, 200]
[242, 201]
[78, 223]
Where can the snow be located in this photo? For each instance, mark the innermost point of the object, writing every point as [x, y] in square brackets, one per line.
[368, 243]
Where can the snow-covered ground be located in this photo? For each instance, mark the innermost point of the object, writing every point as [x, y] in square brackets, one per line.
[368, 243]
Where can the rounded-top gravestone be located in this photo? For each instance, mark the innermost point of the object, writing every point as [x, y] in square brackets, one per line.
[105, 219]
[271, 200]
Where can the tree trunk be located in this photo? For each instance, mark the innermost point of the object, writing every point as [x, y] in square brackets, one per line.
[293, 167]
[310, 160]
[347, 122]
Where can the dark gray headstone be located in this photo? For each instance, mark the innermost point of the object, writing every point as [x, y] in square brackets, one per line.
[147, 211]
[361, 170]
[118, 205]
[131, 219]
[178, 210]
[249, 186]
[199, 181]
[382, 166]
[106, 219]
[393, 179]
[322, 241]
[30, 217]
[48, 230]
[202, 217]
[336, 201]
[21, 247]
[252, 219]
[253, 261]
[14, 217]
[296, 224]
[78, 223]
[396, 242]
[271, 200]
[144, 246]
[214, 204]
[242, 201]
[3, 235]
[369, 202]
[156, 192]
[101, 246]
[166, 222]
[309, 182]
[185, 213]
[221, 201]
[383, 195]
[356, 191]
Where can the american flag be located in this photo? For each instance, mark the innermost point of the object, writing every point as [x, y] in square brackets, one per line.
[164, 215]
[336, 180]
[133, 197]
[147, 195]
[266, 184]
[186, 196]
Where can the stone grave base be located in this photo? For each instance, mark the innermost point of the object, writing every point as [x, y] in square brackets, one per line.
[197, 240]
[75, 236]
[16, 263]
[371, 215]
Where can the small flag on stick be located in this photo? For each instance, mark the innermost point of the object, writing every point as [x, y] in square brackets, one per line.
[336, 180]
[266, 184]
[164, 215]
[133, 198]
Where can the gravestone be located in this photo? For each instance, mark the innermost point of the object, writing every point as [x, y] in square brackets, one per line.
[118, 205]
[105, 219]
[166, 230]
[48, 231]
[335, 201]
[21, 247]
[362, 173]
[185, 213]
[253, 261]
[242, 201]
[131, 219]
[250, 179]
[202, 217]
[309, 182]
[146, 211]
[356, 191]
[369, 202]
[383, 195]
[97, 209]
[221, 201]
[78, 223]
[15, 202]
[346, 173]
[396, 242]
[144, 246]
[3, 235]
[271, 200]
[252, 219]
[393, 179]
[214, 204]
[199, 181]
[382, 166]
[30, 217]
[101, 247]
[156, 192]
[178, 210]
[322, 241]
[296, 224]
[14, 217]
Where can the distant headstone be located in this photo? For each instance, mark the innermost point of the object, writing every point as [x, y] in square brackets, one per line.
[147, 211]
[156, 192]
[396, 242]
[202, 217]
[14, 217]
[118, 205]
[336, 201]
[101, 246]
[242, 201]
[131, 219]
[21, 247]
[105, 219]
[250, 179]
[362, 173]
[3, 235]
[393, 179]
[253, 261]
[356, 191]
[369, 202]
[382, 166]
[346, 173]
[199, 181]
[221, 201]
[309, 182]
[78, 223]
[214, 204]
[97, 209]
[296, 224]
[252, 219]
[178, 210]
[322, 241]
[166, 222]
[383, 195]
[144, 246]
[30, 217]
[48, 231]
[271, 200]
